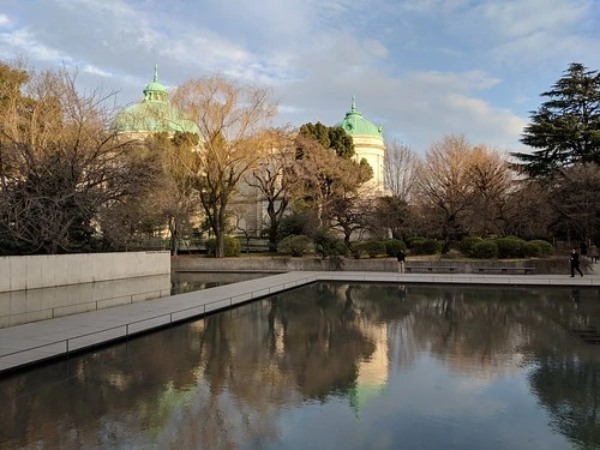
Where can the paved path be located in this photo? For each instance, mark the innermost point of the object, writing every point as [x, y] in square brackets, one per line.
[34, 342]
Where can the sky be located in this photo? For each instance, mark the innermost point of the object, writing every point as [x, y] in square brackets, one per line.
[421, 68]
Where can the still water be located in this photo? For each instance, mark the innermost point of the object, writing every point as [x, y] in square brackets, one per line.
[182, 282]
[332, 366]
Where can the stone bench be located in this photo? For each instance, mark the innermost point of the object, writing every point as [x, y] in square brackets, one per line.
[505, 270]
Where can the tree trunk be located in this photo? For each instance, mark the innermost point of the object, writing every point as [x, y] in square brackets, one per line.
[273, 227]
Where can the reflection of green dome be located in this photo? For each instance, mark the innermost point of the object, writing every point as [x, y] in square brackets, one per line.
[154, 114]
[355, 124]
[359, 395]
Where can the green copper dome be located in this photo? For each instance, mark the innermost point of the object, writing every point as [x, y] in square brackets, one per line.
[153, 114]
[354, 123]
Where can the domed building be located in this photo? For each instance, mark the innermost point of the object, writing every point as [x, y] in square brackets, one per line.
[368, 144]
[154, 114]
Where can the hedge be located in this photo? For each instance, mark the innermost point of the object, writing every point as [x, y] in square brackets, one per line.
[231, 246]
[295, 245]
[486, 249]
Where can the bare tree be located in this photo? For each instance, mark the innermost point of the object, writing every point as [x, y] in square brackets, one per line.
[575, 199]
[465, 189]
[444, 185]
[275, 177]
[231, 119]
[178, 156]
[401, 170]
[60, 165]
[492, 184]
[326, 179]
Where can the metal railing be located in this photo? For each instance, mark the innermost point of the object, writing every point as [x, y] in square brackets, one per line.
[67, 344]
[52, 312]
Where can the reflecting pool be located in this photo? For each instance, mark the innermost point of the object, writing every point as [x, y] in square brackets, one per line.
[194, 281]
[333, 366]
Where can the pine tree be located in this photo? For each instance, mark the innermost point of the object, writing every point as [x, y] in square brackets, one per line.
[566, 128]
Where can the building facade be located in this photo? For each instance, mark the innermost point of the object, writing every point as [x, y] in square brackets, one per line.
[368, 144]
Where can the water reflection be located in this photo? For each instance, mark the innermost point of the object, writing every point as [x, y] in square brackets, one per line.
[19, 307]
[332, 365]
[194, 281]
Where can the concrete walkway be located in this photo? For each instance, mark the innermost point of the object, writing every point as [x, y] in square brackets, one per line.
[31, 343]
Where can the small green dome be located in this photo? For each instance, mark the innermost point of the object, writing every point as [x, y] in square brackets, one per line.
[354, 123]
[154, 114]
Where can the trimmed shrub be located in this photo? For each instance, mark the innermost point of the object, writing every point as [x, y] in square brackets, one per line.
[510, 247]
[532, 249]
[357, 249]
[425, 247]
[393, 246]
[465, 246]
[486, 249]
[328, 245]
[295, 245]
[231, 246]
[546, 247]
[375, 248]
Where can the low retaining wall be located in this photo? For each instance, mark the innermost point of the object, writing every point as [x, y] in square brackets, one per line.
[280, 264]
[288, 264]
[547, 266]
[40, 271]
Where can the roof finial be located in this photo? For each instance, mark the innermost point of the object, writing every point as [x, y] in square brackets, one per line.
[155, 73]
[353, 108]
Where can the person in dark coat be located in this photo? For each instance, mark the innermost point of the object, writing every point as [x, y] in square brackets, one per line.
[401, 258]
[584, 248]
[574, 259]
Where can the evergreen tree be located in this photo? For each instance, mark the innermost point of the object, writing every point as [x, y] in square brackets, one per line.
[566, 128]
[334, 138]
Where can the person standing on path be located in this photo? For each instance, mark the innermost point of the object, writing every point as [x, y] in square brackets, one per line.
[584, 249]
[401, 258]
[594, 253]
[574, 259]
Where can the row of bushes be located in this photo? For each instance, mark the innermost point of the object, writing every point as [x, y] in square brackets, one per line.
[327, 245]
[504, 247]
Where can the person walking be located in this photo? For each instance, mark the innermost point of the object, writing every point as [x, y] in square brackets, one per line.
[401, 258]
[594, 255]
[574, 259]
[584, 249]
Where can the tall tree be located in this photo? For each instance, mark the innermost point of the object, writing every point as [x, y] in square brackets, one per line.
[491, 181]
[401, 170]
[325, 178]
[575, 198]
[463, 188]
[334, 138]
[232, 119]
[61, 165]
[275, 178]
[177, 154]
[566, 128]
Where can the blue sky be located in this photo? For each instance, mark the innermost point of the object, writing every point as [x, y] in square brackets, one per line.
[420, 68]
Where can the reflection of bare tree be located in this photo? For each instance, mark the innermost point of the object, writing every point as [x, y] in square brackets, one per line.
[322, 347]
[569, 387]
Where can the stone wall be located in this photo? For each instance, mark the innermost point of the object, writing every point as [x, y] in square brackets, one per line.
[39, 271]
[280, 264]
[285, 264]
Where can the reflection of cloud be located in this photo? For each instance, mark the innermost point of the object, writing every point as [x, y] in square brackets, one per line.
[428, 389]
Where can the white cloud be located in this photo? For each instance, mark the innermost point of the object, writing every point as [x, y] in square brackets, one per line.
[24, 41]
[88, 68]
[516, 18]
[417, 107]
[4, 20]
